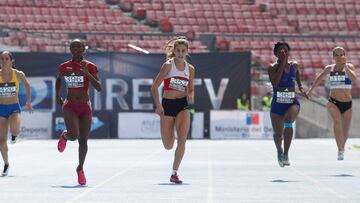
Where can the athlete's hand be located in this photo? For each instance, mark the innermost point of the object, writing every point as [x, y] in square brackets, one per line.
[159, 111]
[84, 68]
[59, 100]
[190, 99]
[303, 93]
[29, 106]
[308, 93]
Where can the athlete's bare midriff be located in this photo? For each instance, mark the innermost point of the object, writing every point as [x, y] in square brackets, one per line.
[342, 95]
[174, 94]
[10, 100]
[77, 96]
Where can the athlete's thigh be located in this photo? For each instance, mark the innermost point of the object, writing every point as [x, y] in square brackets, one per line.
[334, 111]
[72, 123]
[182, 123]
[292, 113]
[167, 124]
[14, 122]
[3, 128]
[346, 119]
[277, 122]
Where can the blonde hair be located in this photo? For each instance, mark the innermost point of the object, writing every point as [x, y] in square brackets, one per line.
[338, 48]
[171, 44]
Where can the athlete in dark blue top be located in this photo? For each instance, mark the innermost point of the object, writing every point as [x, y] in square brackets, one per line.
[284, 107]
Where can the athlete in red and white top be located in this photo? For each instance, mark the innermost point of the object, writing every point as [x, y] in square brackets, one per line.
[77, 73]
[178, 76]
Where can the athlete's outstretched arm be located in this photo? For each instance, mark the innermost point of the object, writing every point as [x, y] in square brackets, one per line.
[155, 87]
[191, 84]
[319, 78]
[22, 77]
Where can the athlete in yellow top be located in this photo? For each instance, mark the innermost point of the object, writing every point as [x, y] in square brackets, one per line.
[9, 104]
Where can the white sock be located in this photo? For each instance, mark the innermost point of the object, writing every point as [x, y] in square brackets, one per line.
[174, 172]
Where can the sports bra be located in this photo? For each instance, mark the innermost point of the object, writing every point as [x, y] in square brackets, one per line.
[176, 79]
[11, 88]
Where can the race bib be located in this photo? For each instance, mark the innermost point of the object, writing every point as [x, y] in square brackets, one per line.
[337, 78]
[178, 84]
[285, 95]
[7, 89]
[74, 80]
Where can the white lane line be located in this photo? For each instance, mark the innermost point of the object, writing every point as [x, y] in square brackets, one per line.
[210, 175]
[136, 164]
[313, 180]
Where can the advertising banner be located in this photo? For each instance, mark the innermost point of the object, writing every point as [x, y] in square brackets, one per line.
[100, 125]
[147, 125]
[37, 125]
[126, 79]
[240, 125]
[42, 90]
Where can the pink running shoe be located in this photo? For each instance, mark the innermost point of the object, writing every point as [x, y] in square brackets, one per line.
[62, 141]
[175, 179]
[81, 177]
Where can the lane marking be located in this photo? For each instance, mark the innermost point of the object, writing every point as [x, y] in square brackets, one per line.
[121, 172]
[210, 195]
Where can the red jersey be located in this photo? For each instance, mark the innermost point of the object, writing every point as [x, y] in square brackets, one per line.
[74, 77]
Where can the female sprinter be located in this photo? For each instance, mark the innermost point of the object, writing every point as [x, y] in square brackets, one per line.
[178, 76]
[77, 73]
[9, 104]
[285, 106]
[340, 76]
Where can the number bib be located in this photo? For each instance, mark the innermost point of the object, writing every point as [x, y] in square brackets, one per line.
[7, 89]
[74, 80]
[337, 78]
[178, 84]
[285, 95]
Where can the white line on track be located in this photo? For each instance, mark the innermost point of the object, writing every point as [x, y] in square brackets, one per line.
[121, 172]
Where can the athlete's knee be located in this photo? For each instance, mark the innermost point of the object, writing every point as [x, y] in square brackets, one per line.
[288, 124]
[277, 135]
[169, 146]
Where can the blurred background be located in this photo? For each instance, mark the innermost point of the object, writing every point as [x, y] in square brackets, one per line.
[231, 43]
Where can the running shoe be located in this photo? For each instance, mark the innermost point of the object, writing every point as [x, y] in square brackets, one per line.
[13, 139]
[175, 179]
[62, 141]
[340, 155]
[81, 177]
[286, 160]
[5, 172]
[280, 157]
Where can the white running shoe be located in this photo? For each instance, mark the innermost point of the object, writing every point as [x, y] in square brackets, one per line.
[340, 155]
[5, 172]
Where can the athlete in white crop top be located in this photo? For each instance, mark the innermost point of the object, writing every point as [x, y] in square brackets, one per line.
[178, 76]
[340, 77]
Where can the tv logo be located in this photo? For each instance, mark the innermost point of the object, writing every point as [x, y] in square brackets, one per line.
[252, 119]
[42, 90]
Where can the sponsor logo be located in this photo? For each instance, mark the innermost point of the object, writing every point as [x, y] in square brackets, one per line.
[252, 119]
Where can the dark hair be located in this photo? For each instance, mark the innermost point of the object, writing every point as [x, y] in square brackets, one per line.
[279, 44]
[11, 57]
[81, 41]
